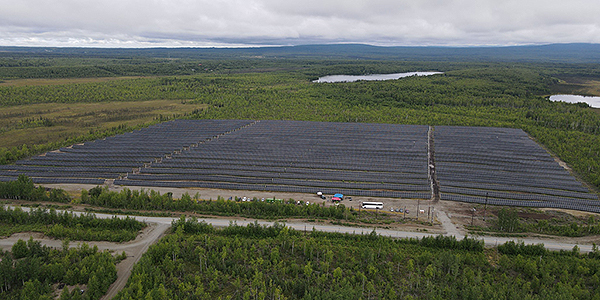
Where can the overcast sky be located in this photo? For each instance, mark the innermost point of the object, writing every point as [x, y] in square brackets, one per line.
[199, 23]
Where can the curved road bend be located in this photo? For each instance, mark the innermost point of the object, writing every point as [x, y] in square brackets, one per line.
[140, 245]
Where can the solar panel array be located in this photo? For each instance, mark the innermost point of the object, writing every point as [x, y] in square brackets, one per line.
[294, 156]
[94, 162]
[473, 164]
[506, 167]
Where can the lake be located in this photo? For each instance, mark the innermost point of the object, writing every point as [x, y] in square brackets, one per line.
[352, 78]
[592, 101]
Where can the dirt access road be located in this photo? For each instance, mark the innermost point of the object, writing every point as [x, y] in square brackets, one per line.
[134, 249]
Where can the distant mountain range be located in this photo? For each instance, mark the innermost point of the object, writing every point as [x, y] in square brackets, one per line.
[565, 53]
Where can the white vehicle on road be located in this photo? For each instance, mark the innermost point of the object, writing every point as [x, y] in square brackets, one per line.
[372, 205]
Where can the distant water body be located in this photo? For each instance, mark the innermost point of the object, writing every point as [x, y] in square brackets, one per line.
[352, 78]
[592, 101]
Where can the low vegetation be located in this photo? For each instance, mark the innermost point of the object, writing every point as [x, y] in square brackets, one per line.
[39, 124]
[515, 221]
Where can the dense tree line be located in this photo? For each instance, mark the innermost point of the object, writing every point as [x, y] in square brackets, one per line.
[30, 270]
[23, 188]
[258, 262]
[86, 67]
[84, 227]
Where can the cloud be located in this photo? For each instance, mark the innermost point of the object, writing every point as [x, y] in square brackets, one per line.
[137, 23]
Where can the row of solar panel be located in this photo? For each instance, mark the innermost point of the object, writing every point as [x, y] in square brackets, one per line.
[508, 144]
[520, 189]
[519, 181]
[203, 150]
[592, 207]
[337, 166]
[539, 177]
[494, 154]
[473, 157]
[108, 164]
[458, 167]
[59, 174]
[307, 174]
[514, 196]
[65, 169]
[282, 181]
[161, 168]
[341, 157]
[505, 177]
[76, 158]
[524, 166]
[320, 163]
[43, 180]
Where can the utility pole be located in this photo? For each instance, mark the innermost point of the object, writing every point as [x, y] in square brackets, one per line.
[418, 207]
[485, 206]
[472, 216]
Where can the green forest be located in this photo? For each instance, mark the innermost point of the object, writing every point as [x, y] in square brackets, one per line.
[30, 270]
[198, 261]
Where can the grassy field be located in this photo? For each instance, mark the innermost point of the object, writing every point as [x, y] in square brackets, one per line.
[43, 123]
[578, 85]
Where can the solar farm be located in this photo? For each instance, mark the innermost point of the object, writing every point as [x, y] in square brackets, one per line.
[499, 166]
